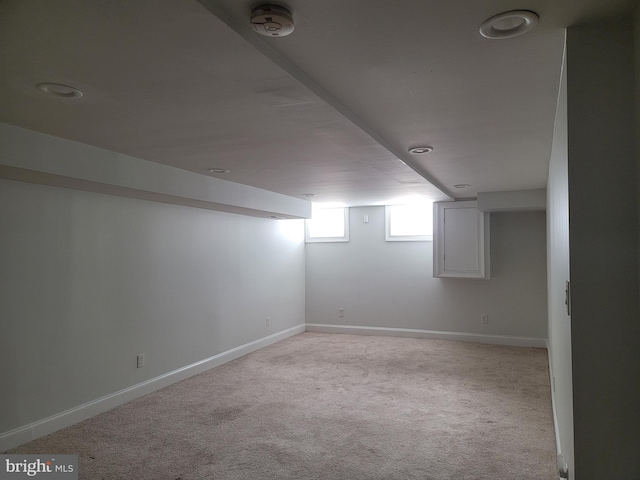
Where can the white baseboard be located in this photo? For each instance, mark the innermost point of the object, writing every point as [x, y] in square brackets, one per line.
[415, 333]
[74, 415]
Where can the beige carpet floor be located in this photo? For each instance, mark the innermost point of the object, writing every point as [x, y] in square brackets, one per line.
[318, 406]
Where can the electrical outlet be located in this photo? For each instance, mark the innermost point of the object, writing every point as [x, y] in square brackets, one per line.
[341, 312]
[484, 319]
[140, 361]
[268, 321]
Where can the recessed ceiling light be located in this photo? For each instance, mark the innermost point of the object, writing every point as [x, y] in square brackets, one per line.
[461, 185]
[60, 90]
[309, 195]
[508, 24]
[217, 170]
[421, 149]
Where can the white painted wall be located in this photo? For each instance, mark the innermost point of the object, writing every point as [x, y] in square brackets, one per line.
[558, 274]
[33, 157]
[603, 241]
[88, 280]
[521, 200]
[636, 49]
[391, 284]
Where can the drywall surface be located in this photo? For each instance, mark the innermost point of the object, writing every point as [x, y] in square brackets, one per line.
[520, 200]
[37, 158]
[636, 32]
[603, 226]
[558, 276]
[88, 281]
[391, 284]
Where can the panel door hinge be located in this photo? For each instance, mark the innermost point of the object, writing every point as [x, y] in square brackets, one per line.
[563, 468]
[567, 297]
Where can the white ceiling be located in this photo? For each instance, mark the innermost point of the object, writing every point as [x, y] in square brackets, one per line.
[330, 109]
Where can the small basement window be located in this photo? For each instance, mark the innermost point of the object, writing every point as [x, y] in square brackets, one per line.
[409, 223]
[327, 225]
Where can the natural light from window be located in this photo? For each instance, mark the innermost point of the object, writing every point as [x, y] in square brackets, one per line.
[409, 222]
[327, 225]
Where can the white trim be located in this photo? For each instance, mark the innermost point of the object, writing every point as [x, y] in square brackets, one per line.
[556, 428]
[404, 238]
[475, 230]
[344, 238]
[74, 415]
[416, 333]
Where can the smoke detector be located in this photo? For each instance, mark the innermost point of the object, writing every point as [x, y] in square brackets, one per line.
[272, 20]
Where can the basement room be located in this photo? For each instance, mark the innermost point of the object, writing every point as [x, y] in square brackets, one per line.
[356, 240]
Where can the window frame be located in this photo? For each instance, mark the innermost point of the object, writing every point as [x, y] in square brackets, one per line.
[343, 238]
[403, 238]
